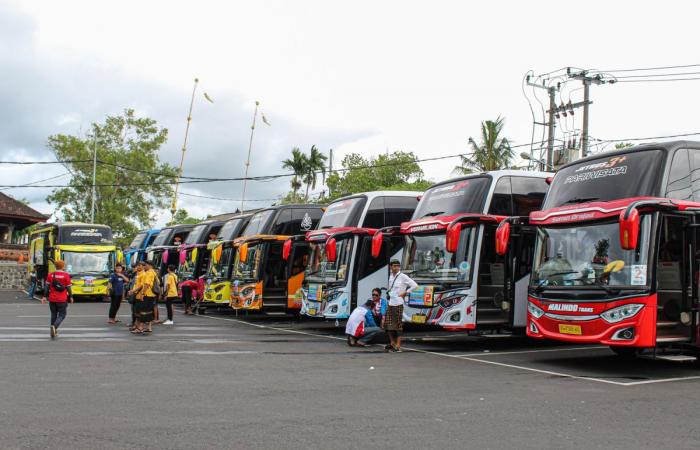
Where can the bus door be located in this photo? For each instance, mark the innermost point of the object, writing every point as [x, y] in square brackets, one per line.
[518, 266]
[676, 293]
[274, 277]
[374, 272]
[491, 282]
[296, 265]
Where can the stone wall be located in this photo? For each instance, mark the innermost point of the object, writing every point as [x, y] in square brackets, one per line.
[13, 275]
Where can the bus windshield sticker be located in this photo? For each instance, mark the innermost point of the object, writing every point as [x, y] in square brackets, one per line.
[421, 296]
[639, 275]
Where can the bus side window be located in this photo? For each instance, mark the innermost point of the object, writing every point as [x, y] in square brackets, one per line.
[283, 223]
[679, 177]
[670, 253]
[299, 253]
[695, 173]
[528, 194]
[398, 210]
[501, 200]
[491, 267]
[375, 214]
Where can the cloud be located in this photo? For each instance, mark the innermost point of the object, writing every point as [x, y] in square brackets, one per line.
[42, 95]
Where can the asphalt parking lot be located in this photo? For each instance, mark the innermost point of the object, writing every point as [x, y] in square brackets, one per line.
[218, 381]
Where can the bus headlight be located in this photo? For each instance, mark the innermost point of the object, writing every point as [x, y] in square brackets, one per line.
[534, 310]
[621, 312]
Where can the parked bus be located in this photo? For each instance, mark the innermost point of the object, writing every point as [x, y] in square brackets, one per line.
[450, 252]
[262, 280]
[87, 250]
[333, 284]
[165, 248]
[616, 259]
[137, 249]
[222, 251]
[193, 258]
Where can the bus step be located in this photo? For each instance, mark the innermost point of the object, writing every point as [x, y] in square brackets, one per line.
[667, 324]
[668, 339]
[677, 358]
[494, 321]
[275, 313]
[483, 310]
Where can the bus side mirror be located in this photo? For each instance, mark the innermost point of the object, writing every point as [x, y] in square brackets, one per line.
[452, 237]
[502, 238]
[331, 250]
[548, 180]
[377, 241]
[286, 249]
[629, 229]
[243, 252]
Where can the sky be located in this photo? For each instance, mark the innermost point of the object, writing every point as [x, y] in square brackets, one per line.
[362, 76]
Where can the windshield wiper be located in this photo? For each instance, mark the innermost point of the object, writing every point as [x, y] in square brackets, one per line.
[426, 274]
[579, 200]
[433, 214]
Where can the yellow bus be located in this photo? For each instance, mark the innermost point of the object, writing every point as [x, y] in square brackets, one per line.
[87, 250]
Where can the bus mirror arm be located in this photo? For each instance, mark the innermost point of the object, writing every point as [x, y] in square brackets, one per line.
[629, 218]
[455, 228]
[378, 239]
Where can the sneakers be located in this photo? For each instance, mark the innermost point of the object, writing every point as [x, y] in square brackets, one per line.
[168, 322]
[53, 332]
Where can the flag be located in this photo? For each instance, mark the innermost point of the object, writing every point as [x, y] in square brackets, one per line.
[264, 119]
[208, 98]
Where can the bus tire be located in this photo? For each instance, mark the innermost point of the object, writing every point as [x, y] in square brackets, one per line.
[625, 352]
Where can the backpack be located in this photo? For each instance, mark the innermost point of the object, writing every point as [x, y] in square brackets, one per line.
[156, 286]
[56, 285]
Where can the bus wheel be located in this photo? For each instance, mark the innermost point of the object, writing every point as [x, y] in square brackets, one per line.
[625, 352]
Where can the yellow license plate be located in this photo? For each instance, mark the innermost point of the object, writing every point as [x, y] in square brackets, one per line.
[570, 329]
[419, 318]
[312, 312]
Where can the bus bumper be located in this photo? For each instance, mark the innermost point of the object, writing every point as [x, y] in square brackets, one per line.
[586, 326]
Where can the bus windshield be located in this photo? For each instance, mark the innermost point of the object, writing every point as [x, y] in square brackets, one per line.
[196, 234]
[259, 223]
[88, 263]
[425, 257]
[220, 268]
[230, 230]
[85, 234]
[607, 178]
[186, 269]
[462, 196]
[138, 240]
[342, 213]
[320, 270]
[248, 270]
[163, 237]
[577, 256]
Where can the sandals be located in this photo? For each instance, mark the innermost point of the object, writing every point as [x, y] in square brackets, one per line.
[135, 331]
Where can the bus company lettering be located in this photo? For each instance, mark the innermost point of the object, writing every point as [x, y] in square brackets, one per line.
[86, 232]
[428, 227]
[612, 162]
[594, 174]
[568, 307]
[574, 217]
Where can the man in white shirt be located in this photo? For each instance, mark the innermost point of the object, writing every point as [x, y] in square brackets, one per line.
[400, 285]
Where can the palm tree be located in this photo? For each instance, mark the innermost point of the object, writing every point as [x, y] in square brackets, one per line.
[493, 153]
[315, 162]
[297, 164]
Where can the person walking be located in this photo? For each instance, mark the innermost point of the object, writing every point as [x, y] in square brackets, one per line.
[170, 294]
[117, 281]
[359, 330]
[136, 278]
[58, 285]
[32, 283]
[400, 285]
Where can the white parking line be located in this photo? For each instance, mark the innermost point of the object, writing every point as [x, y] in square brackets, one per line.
[472, 359]
[544, 350]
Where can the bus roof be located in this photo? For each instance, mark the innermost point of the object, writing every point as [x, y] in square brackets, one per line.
[496, 174]
[373, 194]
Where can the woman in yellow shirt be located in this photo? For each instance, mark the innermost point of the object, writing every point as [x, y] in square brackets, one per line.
[170, 292]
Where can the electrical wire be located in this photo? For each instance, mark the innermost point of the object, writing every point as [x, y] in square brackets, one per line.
[648, 68]
[658, 80]
[43, 180]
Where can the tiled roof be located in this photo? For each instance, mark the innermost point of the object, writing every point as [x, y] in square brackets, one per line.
[9, 207]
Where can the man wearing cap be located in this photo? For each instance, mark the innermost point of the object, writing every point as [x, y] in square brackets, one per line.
[400, 285]
[58, 284]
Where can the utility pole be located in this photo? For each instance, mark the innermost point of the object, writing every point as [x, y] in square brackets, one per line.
[173, 206]
[247, 162]
[587, 81]
[330, 168]
[551, 90]
[94, 177]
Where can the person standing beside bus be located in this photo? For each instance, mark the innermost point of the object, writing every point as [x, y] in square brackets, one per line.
[116, 292]
[400, 285]
[58, 284]
[170, 294]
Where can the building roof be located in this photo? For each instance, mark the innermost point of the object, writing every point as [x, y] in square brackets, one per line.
[19, 212]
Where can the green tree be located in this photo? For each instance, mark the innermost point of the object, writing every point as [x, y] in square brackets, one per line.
[297, 164]
[392, 172]
[315, 163]
[131, 180]
[182, 216]
[621, 145]
[492, 153]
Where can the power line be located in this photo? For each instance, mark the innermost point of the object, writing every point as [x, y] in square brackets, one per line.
[652, 75]
[656, 80]
[43, 180]
[66, 161]
[647, 68]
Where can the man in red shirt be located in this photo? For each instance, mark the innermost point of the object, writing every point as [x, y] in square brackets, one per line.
[58, 284]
